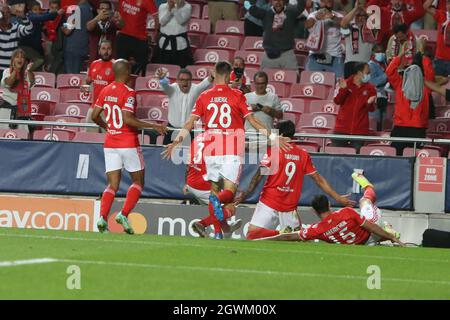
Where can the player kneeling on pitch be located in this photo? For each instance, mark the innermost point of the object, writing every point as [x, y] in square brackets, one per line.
[122, 149]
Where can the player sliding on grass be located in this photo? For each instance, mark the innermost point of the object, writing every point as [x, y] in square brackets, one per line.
[345, 226]
[223, 111]
[280, 195]
[121, 148]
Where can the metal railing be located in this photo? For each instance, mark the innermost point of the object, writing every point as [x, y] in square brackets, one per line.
[55, 124]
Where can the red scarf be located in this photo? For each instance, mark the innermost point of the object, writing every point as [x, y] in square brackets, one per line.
[23, 96]
[366, 34]
[410, 50]
[446, 30]
[51, 26]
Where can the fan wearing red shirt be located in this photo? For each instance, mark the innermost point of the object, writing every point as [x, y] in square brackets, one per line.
[100, 74]
[121, 147]
[223, 111]
[132, 38]
[283, 188]
[345, 226]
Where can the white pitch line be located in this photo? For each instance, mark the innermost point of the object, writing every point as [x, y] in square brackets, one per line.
[16, 263]
[250, 271]
[203, 246]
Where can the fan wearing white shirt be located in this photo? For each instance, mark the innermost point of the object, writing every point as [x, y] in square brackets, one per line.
[173, 43]
[182, 96]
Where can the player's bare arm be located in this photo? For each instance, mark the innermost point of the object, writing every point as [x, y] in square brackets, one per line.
[97, 118]
[283, 142]
[257, 177]
[323, 184]
[130, 120]
[375, 229]
[180, 137]
[294, 236]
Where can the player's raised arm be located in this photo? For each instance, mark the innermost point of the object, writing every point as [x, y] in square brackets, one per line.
[323, 184]
[294, 236]
[377, 230]
[180, 137]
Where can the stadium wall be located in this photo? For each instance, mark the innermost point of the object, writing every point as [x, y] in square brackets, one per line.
[70, 168]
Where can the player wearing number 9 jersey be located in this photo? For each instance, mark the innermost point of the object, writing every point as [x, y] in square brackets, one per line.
[282, 190]
[121, 147]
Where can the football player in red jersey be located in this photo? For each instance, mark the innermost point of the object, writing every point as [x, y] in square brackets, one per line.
[279, 197]
[223, 110]
[100, 74]
[201, 189]
[345, 226]
[121, 147]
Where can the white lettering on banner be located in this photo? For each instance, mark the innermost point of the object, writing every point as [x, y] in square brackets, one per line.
[172, 223]
[83, 166]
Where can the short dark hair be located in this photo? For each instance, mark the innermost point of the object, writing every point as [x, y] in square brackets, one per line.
[261, 74]
[106, 2]
[320, 203]
[377, 47]
[286, 128]
[402, 27]
[359, 67]
[33, 4]
[222, 68]
[184, 71]
[58, 2]
[105, 41]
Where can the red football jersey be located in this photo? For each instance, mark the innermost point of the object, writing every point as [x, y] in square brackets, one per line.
[134, 14]
[101, 73]
[197, 166]
[343, 227]
[114, 99]
[283, 187]
[223, 111]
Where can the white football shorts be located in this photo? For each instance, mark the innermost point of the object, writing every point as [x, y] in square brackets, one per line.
[228, 167]
[129, 158]
[268, 218]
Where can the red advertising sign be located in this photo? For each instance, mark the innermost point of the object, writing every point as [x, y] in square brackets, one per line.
[431, 174]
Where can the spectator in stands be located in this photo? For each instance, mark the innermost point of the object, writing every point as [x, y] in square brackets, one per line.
[32, 44]
[182, 96]
[411, 99]
[378, 78]
[254, 26]
[16, 83]
[266, 105]
[104, 26]
[237, 77]
[174, 44]
[53, 56]
[222, 10]
[132, 38]
[402, 35]
[359, 40]
[324, 41]
[10, 33]
[100, 74]
[356, 98]
[279, 22]
[442, 57]
[76, 46]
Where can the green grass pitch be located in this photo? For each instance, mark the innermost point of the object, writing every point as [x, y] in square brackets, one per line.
[116, 266]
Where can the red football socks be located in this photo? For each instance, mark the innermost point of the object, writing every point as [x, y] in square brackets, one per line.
[107, 201]
[369, 193]
[133, 194]
[227, 213]
[215, 221]
[261, 233]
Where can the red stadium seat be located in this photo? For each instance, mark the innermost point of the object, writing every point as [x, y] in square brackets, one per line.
[152, 100]
[379, 150]
[311, 130]
[318, 77]
[199, 26]
[42, 108]
[70, 80]
[148, 84]
[308, 91]
[199, 72]
[442, 112]
[153, 113]
[249, 72]
[308, 147]
[439, 125]
[325, 106]
[278, 88]
[427, 35]
[373, 124]
[76, 110]
[340, 150]
[58, 135]
[211, 56]
[75, 95]
[44, 79]
[252, 44]
[251, 58]
[89, 137]
[205, 14]
[45, 94]
[438, 99]
[62, 120]
[284, 76]
[421, 153]
[196, 40]
[300, 46]
[318, 120]
[171, 69]
[230, 27]
[13, 134]
[223, 42]
[288, 104]
[196, 11]
[294, 117]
